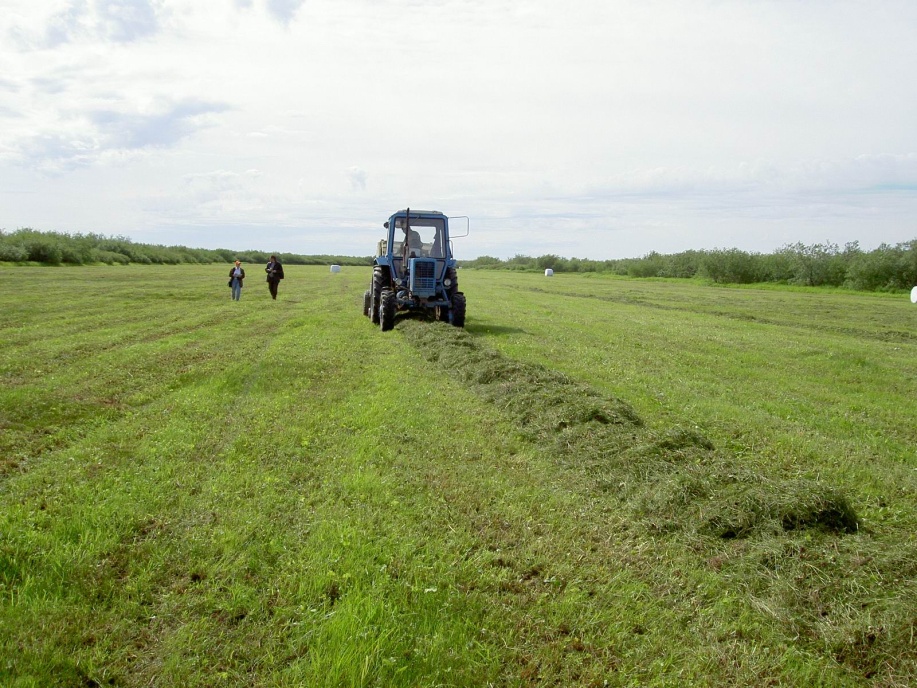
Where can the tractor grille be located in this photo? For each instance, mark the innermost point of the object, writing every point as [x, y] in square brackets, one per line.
[423, 277]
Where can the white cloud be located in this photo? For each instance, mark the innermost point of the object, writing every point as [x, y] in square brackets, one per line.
[284, 10]
[91, 138]
[87, 21]
[357, 178]
[63, 26]
[128, 20]
[158, 129]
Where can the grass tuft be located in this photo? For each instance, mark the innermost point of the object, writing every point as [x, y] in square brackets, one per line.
[804, 504]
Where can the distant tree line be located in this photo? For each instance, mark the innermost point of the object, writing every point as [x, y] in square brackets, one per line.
[886, 268]
[56, 248]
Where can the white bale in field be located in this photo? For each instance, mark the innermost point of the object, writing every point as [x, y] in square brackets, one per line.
[914, 295]
[335, 268]
[549, 273]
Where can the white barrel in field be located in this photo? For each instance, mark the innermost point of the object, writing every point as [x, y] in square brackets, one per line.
[549, 273]
[335, 268]
[914, 295]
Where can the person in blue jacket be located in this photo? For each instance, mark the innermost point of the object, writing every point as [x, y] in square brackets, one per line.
[236, 275]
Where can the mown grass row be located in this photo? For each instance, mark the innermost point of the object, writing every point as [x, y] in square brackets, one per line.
[674, 480]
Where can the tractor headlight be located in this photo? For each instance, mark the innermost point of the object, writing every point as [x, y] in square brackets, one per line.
[399, 281]
[447, 282]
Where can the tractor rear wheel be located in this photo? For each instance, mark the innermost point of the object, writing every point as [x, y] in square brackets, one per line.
[375, 296]
[458, 309]
[388, 303]
[367, 301]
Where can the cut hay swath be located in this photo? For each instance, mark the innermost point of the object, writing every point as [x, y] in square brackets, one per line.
[671, 480]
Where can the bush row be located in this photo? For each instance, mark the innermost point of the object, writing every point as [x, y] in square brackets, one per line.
[887, 268]
[56, 248]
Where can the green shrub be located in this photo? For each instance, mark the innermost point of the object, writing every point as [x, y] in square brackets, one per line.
[650, 265]
[732, 266]
[44, 250]
[13, 253]
[874, 271]
[111, 258]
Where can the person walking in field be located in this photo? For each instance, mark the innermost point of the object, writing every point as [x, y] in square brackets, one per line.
[236, 275]
[274, 272]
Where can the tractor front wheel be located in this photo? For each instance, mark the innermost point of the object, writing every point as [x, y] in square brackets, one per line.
[387, 310]
[458, 309]
[375, 296]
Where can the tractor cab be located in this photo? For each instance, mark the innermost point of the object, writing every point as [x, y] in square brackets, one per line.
[423, 235]
[425, 239]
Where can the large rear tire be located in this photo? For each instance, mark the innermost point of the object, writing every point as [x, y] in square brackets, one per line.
[458, 310]
[367, 302]
[375, 296]
[387, 306]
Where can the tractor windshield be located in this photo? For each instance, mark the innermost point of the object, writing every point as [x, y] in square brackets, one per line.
[425, 239]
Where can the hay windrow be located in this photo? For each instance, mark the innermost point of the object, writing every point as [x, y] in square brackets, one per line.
[670, 481]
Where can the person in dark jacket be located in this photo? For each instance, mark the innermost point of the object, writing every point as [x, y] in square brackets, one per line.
[236, 275]
[274, 272]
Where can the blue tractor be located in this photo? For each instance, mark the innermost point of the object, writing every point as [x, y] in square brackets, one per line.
[414, 270]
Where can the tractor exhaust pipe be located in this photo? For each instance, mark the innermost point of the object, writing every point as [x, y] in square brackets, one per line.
[405, 249]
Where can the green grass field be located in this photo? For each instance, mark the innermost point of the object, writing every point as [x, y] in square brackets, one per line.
[598, 482]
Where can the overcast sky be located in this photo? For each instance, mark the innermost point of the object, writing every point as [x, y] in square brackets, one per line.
[588, 128]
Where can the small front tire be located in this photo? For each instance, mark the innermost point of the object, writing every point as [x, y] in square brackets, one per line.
[388, 304]
[367, 301]
[375, 296]
[458, 310]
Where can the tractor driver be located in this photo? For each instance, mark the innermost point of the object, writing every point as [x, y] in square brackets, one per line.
[415, 243]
